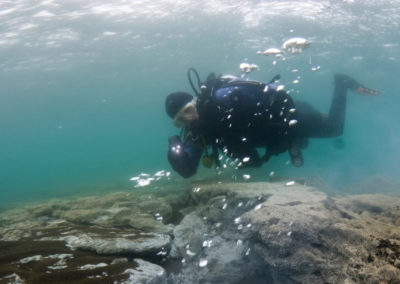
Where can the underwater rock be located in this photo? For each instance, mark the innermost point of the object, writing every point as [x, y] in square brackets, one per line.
[289, 234]
[78, 216]
[186, 240]
[118, 210]
[125, 244]
[372, 205]
[145, 273]
[281, 232]
[13, 279]
[217, 251]
[288, 228]
[53, 262]
[117, 224]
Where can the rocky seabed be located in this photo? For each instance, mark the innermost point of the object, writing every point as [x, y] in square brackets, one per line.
[209, 233]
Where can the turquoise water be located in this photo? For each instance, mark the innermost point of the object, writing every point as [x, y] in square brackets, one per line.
[82, 85]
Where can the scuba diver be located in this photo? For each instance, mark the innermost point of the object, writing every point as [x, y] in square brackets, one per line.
[237, 115]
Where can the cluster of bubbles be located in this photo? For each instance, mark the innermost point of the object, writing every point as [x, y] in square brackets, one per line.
[294, 45]
[229, 162]
[144, 179]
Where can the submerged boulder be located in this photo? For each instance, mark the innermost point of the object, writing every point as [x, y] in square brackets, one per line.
[53, 262]
[136, 243]
[127, 211]
[289, 233]
[145, 273]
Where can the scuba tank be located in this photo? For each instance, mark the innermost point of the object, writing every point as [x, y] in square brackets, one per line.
[204, 92]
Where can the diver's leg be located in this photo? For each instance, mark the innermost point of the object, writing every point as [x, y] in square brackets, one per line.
[337, 111]
[315, 124]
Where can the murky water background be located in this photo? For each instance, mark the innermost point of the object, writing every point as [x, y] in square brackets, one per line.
[82, 85]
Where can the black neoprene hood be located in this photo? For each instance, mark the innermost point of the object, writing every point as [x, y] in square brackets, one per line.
[175, 101]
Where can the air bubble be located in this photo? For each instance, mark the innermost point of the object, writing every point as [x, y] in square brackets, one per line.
[290, 183]
[314, 69]
[162, 252]
[246, 177]
[203, 262]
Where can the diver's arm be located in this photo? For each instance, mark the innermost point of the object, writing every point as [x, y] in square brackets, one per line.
[183, 157]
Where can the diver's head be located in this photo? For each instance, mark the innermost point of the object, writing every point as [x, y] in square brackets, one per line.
[181, 107]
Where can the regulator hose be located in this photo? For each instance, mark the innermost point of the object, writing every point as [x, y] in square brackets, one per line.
[189, 74]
